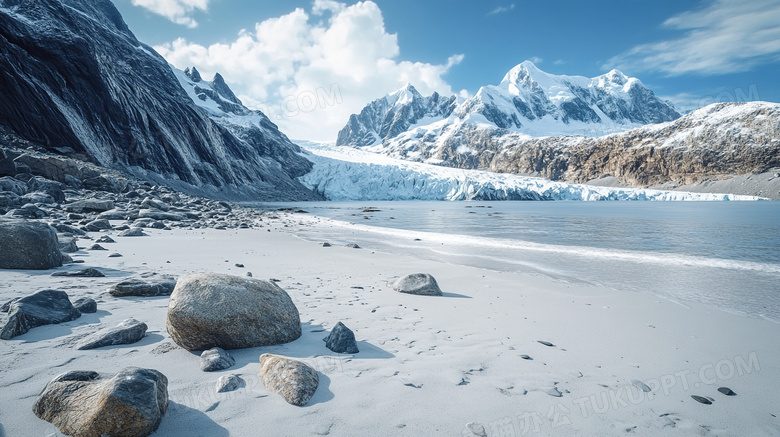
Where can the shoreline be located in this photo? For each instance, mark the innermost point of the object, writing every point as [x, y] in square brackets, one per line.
[427, 365]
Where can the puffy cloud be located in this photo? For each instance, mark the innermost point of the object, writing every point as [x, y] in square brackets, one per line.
[728, 36]
[308, 73]
[178, 11]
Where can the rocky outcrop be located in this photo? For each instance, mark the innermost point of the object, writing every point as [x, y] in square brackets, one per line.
[78, 82]
[296, 381]
[231, 312]
[28, 244]
[42, 308]
[130, 404]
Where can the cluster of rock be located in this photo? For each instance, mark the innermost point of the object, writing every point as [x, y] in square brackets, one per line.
[76, 197]
[212, 313]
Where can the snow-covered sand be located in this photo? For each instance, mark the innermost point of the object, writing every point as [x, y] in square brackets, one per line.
[427, 366]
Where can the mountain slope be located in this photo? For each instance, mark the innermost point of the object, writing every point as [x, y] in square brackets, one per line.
[78, 82]
[390, 116]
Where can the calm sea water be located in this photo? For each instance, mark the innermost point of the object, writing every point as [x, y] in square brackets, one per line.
[722, 253]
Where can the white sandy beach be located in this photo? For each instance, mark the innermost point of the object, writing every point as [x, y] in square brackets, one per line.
[427, 366]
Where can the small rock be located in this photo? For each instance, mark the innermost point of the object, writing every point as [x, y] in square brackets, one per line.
[133, 232]
[702, 400]
[546, 343]
[249, 274]
[241, 266]
[139, 287]
[526, 357]
[128, 332]
[85, 305]
[341, 340]
[477, 429]
[216, 359]
[105, 239]
[326, 244]
[115, 255]
[97, 225]
[89, 205]
[228, 383]
[727, 391]
[417, 283]
[296, 381]
[96, 247]
[67, 244]
[86, 273]
[42, 308]
[131, 404]
[352, 246]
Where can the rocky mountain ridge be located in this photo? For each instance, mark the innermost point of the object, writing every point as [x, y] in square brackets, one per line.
[79, 83]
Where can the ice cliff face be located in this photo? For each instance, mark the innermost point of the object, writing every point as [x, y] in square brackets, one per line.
[349, 174]
[78, 82]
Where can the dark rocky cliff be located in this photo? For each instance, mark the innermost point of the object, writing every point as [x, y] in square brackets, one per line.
[78, 82]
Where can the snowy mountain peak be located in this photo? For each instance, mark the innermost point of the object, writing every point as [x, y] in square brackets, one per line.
[403, 96]
[524, 73]
[193, 74]
[219, 85]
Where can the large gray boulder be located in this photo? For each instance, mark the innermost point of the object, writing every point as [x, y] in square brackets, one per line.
[232, 312]
[145, 288]
[127, 332]
[417, 283]
[28, 245]
[42, 308]
[130, 404]
[296, 381]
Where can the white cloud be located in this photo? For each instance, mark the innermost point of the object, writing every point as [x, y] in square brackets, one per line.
[178, 11]
[725, 37]
[309, 75]
[502, 9]
[536, 60]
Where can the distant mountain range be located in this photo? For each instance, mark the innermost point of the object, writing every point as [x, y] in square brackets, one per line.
[527, 100]
[76, 81]
[573, 129]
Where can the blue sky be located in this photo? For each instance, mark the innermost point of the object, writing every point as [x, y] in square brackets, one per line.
[309, 64]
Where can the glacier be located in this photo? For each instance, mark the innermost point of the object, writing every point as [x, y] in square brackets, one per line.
[343, 173]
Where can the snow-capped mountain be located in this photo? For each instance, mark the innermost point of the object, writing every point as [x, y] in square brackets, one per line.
[527, 100]
[390, 116]
[76, 81]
